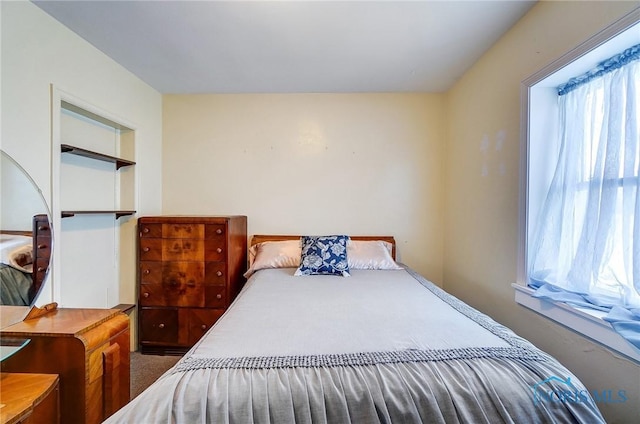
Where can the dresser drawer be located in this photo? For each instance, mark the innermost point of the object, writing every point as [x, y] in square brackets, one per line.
[175, 230]
[215, 273]
[150, 230]
[179, 272]
[215, 296]
[40, 268]
[152, 249]
[159, 325]
[216, 231]
[200, 321]
[215, 250]
[172, 294]
[173, 326]
[180, 230]
[183, 296]
[41, 226]
[43, 247]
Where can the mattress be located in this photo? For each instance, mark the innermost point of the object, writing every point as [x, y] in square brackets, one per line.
[378, 346]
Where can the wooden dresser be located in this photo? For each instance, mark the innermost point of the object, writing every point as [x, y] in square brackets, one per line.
[190, 271]
[42, 250]
[88, 349]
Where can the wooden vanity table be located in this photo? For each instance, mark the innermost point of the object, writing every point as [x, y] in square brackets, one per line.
[29, 398]
[87, 348]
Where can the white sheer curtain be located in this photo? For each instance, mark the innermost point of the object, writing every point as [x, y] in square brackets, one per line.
[588, 242]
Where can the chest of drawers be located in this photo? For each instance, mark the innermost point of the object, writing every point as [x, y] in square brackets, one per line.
[190, 270]
[42, 249]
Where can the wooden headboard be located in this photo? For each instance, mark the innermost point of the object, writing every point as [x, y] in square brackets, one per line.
[259, 238]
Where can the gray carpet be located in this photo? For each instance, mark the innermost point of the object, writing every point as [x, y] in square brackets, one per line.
[145, 369]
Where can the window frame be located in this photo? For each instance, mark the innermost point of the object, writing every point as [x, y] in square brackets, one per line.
[538, 102]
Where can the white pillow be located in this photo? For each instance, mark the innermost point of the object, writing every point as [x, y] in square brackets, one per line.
[364, 254]
[11, 242]
[274, 254]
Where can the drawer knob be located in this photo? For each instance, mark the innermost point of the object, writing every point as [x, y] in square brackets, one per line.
[219, 250]
[161, 326]
[147, 271]
[219, 296]
[40, 269]
[203, 326]
[42, 246]
[218, 231]
[43, 228]
[219, 273]
[145, 230]
[146, 249]
[145, 294]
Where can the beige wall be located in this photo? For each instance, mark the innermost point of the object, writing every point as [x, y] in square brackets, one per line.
[312, 164]
[38, 51]
[481, 188]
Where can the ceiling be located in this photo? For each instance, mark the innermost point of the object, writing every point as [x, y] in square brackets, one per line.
[299, 46]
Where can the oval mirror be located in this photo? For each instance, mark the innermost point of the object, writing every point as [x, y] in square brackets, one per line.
[25, 240]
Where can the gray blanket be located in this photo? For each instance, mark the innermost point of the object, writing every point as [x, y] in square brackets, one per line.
[379, 346]
[15, 286]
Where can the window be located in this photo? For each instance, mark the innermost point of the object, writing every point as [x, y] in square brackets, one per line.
[580, 201]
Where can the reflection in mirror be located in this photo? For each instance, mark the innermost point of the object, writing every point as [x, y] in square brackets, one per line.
[25, 236]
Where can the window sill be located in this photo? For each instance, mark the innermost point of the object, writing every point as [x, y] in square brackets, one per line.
[584, 321]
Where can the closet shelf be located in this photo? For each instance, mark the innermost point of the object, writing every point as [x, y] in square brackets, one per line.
[117, 213]
[67, 148]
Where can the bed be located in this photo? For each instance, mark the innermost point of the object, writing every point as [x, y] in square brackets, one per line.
[367, 341]
[24, 259]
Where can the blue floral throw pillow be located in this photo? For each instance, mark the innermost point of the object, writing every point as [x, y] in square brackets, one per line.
[326, 255]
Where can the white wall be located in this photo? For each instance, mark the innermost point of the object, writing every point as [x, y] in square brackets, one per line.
[312, 164]
[38, 51]
[481, 189]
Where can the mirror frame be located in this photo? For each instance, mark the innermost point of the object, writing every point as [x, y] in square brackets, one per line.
[12, 314]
